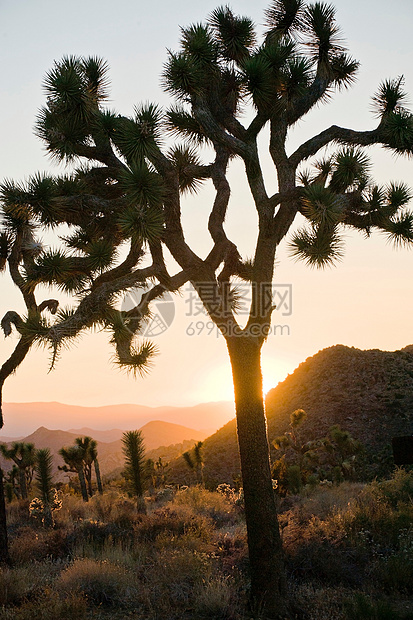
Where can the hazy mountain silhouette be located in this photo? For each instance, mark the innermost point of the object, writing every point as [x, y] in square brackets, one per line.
[22, 418]
[156, 434]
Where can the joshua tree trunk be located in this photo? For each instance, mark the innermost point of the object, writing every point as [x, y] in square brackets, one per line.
[268, 584]
[88, 478]
[47, 515]
[23, 483]
[82, 481]
[4, 543]
[98, 476]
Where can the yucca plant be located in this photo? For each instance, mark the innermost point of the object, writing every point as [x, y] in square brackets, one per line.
[48, 502]
[134, 451]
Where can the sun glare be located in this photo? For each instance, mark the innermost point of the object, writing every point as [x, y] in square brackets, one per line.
[273, 371]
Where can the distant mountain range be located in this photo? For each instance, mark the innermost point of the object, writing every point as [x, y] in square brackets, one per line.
[369, 393]
[20, 419]
[160, 439]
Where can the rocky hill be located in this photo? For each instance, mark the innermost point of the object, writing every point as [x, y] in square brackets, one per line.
[369, 393]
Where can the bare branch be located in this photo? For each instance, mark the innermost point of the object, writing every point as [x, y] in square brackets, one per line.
[334, 134]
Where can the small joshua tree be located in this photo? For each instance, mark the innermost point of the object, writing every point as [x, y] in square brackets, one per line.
[23, 455]
[73, 457]
[134, 451]
[48, 502]
[90, 457]
[299, 461]
[195, 461]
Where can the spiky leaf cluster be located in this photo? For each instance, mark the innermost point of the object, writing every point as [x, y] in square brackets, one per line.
[43, 468]
[186, 162]
[75, 88]
[340, 193]
[235, 35]
[301, 59]
[134, 451]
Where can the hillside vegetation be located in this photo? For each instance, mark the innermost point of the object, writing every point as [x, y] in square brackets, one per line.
[162, 439]
[348, 549]
[368, 393]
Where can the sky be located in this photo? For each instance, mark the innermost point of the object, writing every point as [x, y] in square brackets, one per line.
[365, 301]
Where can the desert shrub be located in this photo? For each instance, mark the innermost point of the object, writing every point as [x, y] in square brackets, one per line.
[207, 503]
[315, 601]
[380, 514]
[102, 583]
[130, 556]
[98, 534]
[175, 578]
[172, 523]
[18, 583]
[49, 606]
[111, 506]
[231, 550]
[73, 510]
[216, 600]
[395, 573]
[18, 513]
[326, 562]
[398, 490]
[27, 546]
[33, 545]
[361, 607]
[322, 501]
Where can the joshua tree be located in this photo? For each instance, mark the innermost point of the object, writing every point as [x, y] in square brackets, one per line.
[332, 456]
[23, 455]
[11, 480]
[340, 450]
[48, 502]
[94, 454]
[89, 448]
[195, 461]
[134, 452]
[73, 456]
[156, 472]
[132, 186]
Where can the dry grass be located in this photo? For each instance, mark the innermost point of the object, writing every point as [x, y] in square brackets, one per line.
[101, 582]
[349, 552]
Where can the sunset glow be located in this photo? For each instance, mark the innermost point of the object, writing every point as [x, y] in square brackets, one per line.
[364, 302]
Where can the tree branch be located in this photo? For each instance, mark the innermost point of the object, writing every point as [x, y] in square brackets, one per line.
[334, 134]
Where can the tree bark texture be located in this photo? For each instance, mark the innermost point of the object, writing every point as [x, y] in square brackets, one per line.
[268, 583]
[98, 476]
[82, 481]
